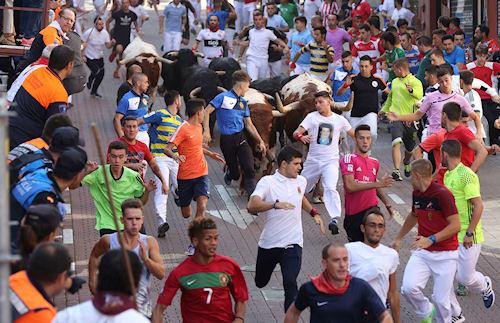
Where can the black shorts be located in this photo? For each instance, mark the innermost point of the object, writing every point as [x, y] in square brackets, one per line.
[191, 189]
[352, 226]
[400, 132]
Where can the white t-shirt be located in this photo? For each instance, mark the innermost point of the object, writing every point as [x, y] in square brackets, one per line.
[402, 13]
[374, 265]
[325, 133]
[212, 42]
[281, 227]
[96, 42]
[86, 312]
[259, 42]
[475, 102]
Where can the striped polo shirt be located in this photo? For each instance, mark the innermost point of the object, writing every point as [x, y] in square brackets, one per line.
[163, 125]
[319, 62]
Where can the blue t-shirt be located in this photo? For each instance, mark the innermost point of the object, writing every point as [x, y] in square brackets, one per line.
[338, 79]
[303, 37]
[276, 21]
[348, 307]
[222, 15]
[173, 17]
[230, 110]
[413, 59]
[456, 56]
[135, 105]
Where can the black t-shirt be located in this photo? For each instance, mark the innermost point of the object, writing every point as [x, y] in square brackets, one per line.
[123, 22]
[124, 88]
[366, 95]
[348, 307]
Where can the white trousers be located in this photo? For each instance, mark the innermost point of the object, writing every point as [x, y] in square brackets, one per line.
[257, 68]
[329, 173]
[275, 68]
[169, 169]
[247, 16]
[300, 69]
[423, 264]
[171, 40]
[239, 8]
[467, 274]
[143, 137]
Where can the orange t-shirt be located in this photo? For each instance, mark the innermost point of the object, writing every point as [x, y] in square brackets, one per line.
[189, 141]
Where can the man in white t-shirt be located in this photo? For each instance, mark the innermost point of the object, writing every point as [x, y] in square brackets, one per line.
[311, 7]
[257, 52]
[279, 198]
[142, 16]
[376, 263]
[213, 40]
[323, 131]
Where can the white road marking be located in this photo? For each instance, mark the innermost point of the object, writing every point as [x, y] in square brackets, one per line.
[233, 214]
[396, 198]
[68, 236]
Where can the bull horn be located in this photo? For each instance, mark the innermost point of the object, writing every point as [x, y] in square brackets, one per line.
[220, 73]
[221, 89]
[289, 107]
[126, 61]
[198, 54]
[268, 97]
[194, 92]
[277, 114]
[279, 104]
[174, 53]
[164, 60]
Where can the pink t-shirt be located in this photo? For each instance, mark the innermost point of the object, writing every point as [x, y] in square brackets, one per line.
[433, 105]
[335, 38]
[364, 170]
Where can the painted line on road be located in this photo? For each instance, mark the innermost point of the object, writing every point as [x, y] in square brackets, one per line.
[68, 236]
[396, 198]
[233, 214]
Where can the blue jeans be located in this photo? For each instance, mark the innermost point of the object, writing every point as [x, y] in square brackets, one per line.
[31, 22]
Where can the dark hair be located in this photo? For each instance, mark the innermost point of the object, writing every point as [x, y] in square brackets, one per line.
[53, 122]
[455, 21]
[389, 37]
[374, 21]
[402, 22]
[197, 226]
[484, 29]
[48, 261]
[439, 32]
[467, 77]
[361, 127]
[322, 94]
[412, 28]
[453, 111]
[96, 19]
[256, 13]
[481, 49]
[452, 147]
[431, 69]
[447, 37]
[365, 27]
[32, 232]
[170, 97]
[128, 118]
[64, 10]
[321, 29]
[193, 106]
[324, 251]
[442, 71]
[113, 277]
[302, 19]
[458, 33]
[241, 76]
[132, 203]
[372, 210]
[346, 53]
[407, 35]
[445, 21]
[132, 69]
[287, 154]
[437, 52]
[424, 41]
[392, 29]
[60, 57]
[366, 58]
[118, 145]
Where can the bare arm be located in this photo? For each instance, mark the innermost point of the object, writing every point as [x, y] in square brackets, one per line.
[251, 129]
[477, 212]
[100, 248]
[353, 186]
[206, 124]
[156, 169]
[417, 153]
[292, 315]
[477, 122]
[118, 124]
[240, 309]
[393, 297]
[108, 22]
[417, 115]
[154, 261]
[410, 222]
[158, 313]
[480, 154]
[162, 24]
[296, 57]
[306, 206]
[451, 229]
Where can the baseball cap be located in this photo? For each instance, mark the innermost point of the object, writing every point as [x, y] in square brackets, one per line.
[64, 137]
[46, 213]
[71, 160]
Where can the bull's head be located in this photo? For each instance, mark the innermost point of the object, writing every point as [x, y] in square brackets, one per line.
[153, 59]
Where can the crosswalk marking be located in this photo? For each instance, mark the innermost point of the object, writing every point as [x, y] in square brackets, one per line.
[232, 214]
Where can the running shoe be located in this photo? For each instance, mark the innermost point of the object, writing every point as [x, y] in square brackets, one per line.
[317, 200]
[177, 200]
[458, 319]
[407, 169]
[396, 175]
[190, 250]
[461, 290]
[162, 230]
[112, 57]
[430, 318]
[333, 227]
[488, 294]
[227, 179]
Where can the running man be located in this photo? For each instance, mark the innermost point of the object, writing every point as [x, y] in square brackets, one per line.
[144, 246]
[209, 282]
[172, 25]
[298, 39]
[376, 263]
[213, 39]
[280, 199]
[323, 129]
[361, 187]
[435, 247]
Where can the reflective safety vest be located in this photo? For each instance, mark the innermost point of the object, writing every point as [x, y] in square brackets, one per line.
[28, 157]
[28, 303]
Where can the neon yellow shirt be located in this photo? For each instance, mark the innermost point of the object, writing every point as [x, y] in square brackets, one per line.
[400, 100]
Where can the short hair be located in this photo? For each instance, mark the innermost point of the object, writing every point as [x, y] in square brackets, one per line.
[374, 21]
[481, 49]
[334, 14]
[170, 97]
[455, 21]
[197, 226]
[322, 94]
[48, 261]
[257, 13]
[458, 33]
[346, 54]
[118, 145]
[439, 32]
[137, 77]
[424, 41]
[431, 69]
[61, 57]
[65, 10]
[407, 35]
[241, 76]
[301, 19]
[448, 67]
[484, 29]
[452, 147]
[193, 106]
[392, 29]
[445, 21]
[324, 252]
[128, 118]
[321, 29]
[412, 28]
[389, 37]
[212, 15]
[422, 167]
[453, 111]
[132, 69]
[442, 71]
[361, 127]
[365, 27]
[372, 210]
[401, 63]
[437, 52]
[133, 203]
[287, 154]
[53, 122]
[402, 22]
[112, 275]
[467, 77]
[447, 37]
[366, 58]
[96, 19]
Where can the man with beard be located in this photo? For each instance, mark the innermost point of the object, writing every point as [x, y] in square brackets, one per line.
[213, 40]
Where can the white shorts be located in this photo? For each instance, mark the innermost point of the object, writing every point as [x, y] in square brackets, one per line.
[257, 68]
[172, 40]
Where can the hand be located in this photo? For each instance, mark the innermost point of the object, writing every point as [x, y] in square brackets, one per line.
[407, 124]
[306, 139]
[179, 158]
[206, 137]
[392, 116]
[142, 251]
[84, 58]
[164, 188]
[381, 113]
[91, 166]
[262, 147]
[217, 157]
[396, 244]
[150, 185]
[409, 88]
[497, 123]
[421, 243]
[284, 206]
[138, 167]
[385, 181]
[348, 80]
[496, 99]
[319, 221]
[468, 242]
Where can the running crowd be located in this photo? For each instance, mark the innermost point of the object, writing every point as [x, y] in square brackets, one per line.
[431, 90]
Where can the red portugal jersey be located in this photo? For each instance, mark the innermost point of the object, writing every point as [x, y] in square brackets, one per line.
[432, 208]
[206, 289]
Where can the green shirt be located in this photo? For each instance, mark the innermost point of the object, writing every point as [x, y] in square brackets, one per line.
[390, 57]
[288, 11]
[400, 100]
[426, 61]
[129, 185]
[464, 185]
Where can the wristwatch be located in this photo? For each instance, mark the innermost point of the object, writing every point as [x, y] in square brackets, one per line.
[469, 234]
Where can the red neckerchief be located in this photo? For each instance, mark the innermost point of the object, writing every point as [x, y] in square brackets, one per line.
[323, 285]
[113, 303]
[214, 30]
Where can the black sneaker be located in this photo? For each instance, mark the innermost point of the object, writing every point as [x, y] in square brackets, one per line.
[162, 230]
[396, 175]
[333, 227]
[89, 85]
[407, 169]
[227, 179]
